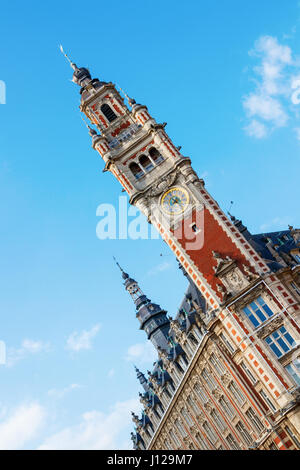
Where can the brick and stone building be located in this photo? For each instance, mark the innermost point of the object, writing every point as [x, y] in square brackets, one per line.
[227, 374]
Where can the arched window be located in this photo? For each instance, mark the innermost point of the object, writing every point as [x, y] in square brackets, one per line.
[145, 162]
[136, 170]
[155, 155]
[108, 112]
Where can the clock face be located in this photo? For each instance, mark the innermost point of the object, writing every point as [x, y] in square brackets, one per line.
[175, 200]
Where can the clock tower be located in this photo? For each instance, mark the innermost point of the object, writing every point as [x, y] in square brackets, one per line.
[162, 184]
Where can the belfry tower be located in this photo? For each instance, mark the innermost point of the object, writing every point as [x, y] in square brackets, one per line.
[161, 183]
[228, 374]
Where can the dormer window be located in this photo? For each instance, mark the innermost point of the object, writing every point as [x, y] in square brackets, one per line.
[108, 112]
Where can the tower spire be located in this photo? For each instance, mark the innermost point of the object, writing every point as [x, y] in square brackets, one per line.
[142, 379]
[153, 319]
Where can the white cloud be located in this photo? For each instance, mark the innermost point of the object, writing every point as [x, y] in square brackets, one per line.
[28, 347]
[256, 129]
[83, 340]
[96, 430]
[21, 426]
[141, 353]
[164, 266]
[268, 106]
[60, 393]
[276, 224]
[111, 373]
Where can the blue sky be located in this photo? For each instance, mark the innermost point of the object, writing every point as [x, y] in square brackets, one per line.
[225, 77]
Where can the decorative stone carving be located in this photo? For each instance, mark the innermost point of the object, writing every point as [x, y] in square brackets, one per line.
[249, 274]
[270, 327]
[226, 378]
[163, 184]
[217, 393]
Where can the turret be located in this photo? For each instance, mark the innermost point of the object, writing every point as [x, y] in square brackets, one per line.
[153, 319]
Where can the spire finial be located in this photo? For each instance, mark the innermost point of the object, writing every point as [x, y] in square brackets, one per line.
[74, 66]
[124, 275]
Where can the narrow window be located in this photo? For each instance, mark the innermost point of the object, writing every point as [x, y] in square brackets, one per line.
[218, 420]
[248, 372]
[295, 287]
[258, 426]
[294, 370]
[209, 432]
[267, 400]
[155, 155]
[232, 443]
[236, 392]
[136, 170]
[201, 393]
[244, 433]
[227, 407]
[227, 343]
[108, 112]
[146, 163]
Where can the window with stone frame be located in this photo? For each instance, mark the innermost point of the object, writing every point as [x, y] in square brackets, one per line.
[227, 343]
[180, 427]
[258, 311]
[210, 433]
[108, 112]
[293, 368]
[200, 392]
[209, 380]
[281, 342]
[175, 439]
[218, 420]
[237, 393]
[217, 364]
[227, 407]
[255, 421]
[295, 287]
[267, 400]
[187, 417]
[232, 442]
[240, 427]
[193, 405]
[201, 442]
[248, 372]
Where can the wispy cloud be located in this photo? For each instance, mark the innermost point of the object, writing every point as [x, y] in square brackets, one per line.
[164, 266]
[82, 340]
[28, 347]
[60, 393]
[278, 223]
[96, 430]
[21, 426]
[141, 353]
[270, 105]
